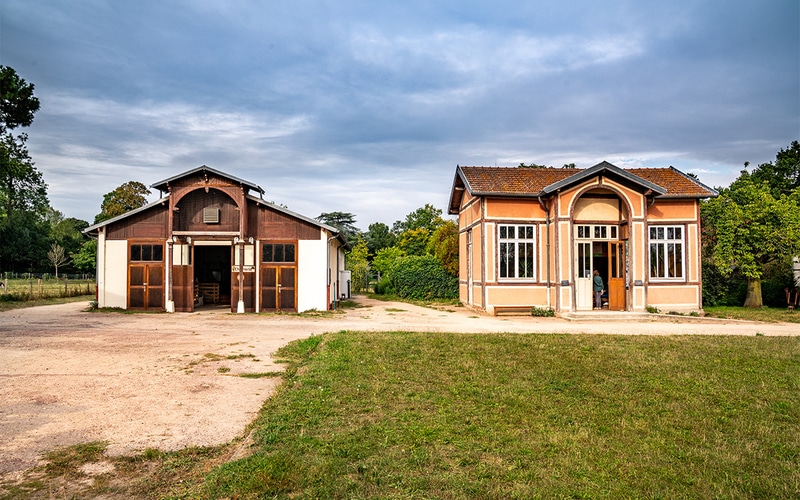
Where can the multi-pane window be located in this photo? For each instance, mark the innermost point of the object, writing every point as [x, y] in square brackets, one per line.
[666, 252]
[278, 252]
[597, 232]
[147, 253]
[517, 244]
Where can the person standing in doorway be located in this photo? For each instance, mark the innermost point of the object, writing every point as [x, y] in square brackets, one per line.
[599, 288]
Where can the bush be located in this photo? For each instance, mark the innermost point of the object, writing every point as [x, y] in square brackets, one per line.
[422, 278]
[384, 286]
[542, 312]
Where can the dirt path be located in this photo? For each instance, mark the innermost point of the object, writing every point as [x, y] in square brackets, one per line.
[169, 381]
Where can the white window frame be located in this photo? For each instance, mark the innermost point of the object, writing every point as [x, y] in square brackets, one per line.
[663, 237]
[527, 244]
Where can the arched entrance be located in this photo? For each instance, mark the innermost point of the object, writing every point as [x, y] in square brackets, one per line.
[600, 238]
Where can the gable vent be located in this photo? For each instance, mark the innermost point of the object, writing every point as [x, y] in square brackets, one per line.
[211, 215]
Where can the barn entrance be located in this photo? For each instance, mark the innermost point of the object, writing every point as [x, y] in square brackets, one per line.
[212, 273]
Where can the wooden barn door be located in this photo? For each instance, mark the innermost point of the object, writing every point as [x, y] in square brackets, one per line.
[146, 286]
[278, 288]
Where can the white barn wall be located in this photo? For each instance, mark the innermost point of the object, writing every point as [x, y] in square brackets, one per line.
[312, 275]
[114, 283]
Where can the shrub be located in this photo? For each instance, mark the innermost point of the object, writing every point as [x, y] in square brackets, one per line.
[384, 286]
[422, 278]
[543, 312]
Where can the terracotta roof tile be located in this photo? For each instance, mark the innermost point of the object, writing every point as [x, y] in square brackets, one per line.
[517, 181]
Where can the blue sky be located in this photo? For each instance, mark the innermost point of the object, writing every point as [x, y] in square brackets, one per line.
[368, 106]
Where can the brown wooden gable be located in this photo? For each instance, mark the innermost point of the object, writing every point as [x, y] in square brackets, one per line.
[150, 223]
[271, 223]
[204, 210]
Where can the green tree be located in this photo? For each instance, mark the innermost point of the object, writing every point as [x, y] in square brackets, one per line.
[385, 259]
[85, 259]
[414, 241]
[751, 229]
[17, 102]
[443, 244]
[66, 231]
[379, 236]
[427, 217]
[358, 264]
[782, 176]
[23, 193]
[344, 222]
[123, 199]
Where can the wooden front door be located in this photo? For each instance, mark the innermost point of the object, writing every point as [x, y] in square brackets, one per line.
[278, 288]
[616, 275]
[146, 286]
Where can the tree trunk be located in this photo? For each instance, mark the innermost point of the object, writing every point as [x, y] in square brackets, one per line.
[753, 298]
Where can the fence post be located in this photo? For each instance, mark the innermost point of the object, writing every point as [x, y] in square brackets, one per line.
[66, 281]
[31, 294]
[39, 283]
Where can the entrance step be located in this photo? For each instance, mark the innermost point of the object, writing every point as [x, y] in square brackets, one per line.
[609, 315]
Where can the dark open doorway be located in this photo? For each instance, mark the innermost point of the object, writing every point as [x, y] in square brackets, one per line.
[212, 273]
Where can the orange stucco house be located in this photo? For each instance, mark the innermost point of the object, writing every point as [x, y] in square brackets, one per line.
[533, 237]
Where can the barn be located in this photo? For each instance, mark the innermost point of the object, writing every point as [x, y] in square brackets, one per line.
[211, 239]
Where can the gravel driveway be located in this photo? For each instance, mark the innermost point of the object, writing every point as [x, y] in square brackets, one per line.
[169, 381]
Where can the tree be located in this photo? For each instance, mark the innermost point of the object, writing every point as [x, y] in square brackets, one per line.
[427, 217]
[443, 244]
[56, 256]
[379, 236]
[85, 259]
[123, 199]
[23, 193]
[414, 241]
[750, 229]
[782, 176]
[344, 222]
[17, 102]
[385, 258]
[357, 263]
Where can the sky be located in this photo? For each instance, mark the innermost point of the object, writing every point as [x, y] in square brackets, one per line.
[367, 107]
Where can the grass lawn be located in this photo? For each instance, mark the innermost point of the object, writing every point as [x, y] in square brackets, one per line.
[410, 415]
[768, 314]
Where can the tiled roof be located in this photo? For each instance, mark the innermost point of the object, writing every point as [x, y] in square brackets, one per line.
[515, 181]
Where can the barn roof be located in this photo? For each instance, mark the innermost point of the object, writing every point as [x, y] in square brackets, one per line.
[164, 185]
[535, 182]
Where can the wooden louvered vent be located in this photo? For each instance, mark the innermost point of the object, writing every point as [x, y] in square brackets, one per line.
[211, 215]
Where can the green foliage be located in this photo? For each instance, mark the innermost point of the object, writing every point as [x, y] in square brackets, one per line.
[427, 217]
[358, 264]
[443, 244]
[385, 259]
[542, 312]
[422, 277]
[85, 259]
[750, 229]
[782, 176]
[344, 222]
[126, 197]
[414, 241]
[378, 237]
[17, 102]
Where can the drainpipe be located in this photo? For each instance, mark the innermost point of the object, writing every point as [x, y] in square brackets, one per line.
[547, 226]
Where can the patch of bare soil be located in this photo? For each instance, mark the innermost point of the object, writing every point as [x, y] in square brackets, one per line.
[171, 381]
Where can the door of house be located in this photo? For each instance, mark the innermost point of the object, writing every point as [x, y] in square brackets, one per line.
[146, 286]
[583, 276]
[616, 275]
[278, 289]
